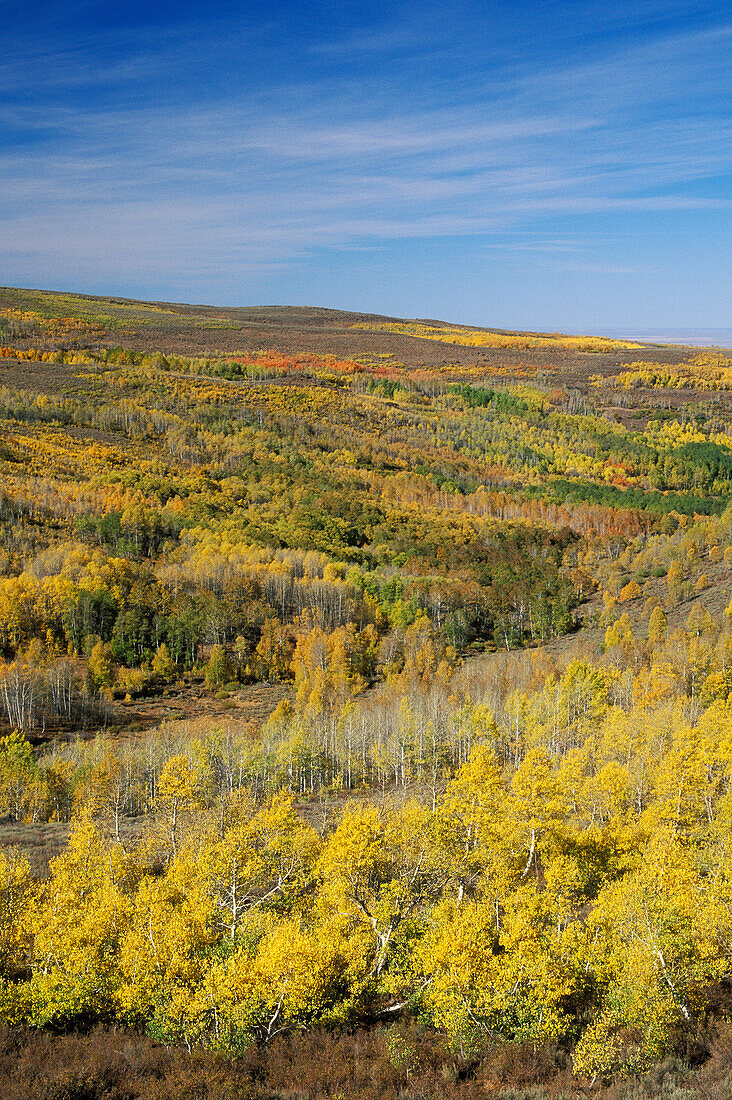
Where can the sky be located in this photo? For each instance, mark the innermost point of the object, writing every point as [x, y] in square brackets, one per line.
[534, 165]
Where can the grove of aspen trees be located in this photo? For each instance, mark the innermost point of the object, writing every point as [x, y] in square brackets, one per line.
[485, 605]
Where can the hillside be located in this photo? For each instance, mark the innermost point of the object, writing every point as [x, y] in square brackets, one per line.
[369, 673]
[208, 330]
[457, 481]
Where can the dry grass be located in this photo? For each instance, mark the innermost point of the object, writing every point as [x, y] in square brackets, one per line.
[404, 1063]
[192, 709]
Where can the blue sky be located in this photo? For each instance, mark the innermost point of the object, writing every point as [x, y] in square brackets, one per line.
[534, 165]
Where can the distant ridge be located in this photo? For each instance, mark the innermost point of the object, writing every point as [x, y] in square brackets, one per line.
[686, 337]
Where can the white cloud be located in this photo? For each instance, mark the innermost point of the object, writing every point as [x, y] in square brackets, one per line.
[265, 177]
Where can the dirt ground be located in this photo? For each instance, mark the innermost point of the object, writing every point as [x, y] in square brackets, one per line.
[248, 707]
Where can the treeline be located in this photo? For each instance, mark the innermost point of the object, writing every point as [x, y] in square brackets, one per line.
[706, 371]
[42, 689]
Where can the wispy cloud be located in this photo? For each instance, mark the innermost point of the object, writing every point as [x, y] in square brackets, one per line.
[120, 157]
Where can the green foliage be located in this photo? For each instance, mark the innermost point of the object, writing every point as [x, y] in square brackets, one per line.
[502, 401]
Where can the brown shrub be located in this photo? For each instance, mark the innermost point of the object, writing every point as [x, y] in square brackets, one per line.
[368, 1064]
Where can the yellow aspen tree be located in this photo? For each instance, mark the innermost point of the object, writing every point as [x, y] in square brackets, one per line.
[177, 793]
[657, 627]
[81, 916]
